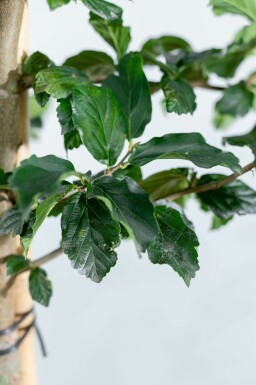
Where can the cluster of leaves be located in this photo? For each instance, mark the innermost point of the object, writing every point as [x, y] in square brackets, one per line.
[104, 104]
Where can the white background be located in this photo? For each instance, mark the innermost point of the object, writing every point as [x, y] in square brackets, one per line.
[141, 325]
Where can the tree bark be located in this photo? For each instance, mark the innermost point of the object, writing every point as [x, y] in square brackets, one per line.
[19, 367]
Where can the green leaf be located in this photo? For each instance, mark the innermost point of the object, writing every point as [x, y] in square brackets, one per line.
[130, 205]
[40, 287]
[11, 222]
[248, 139]
[180, 97]
[233, 198]
[42, 211]
[217, 222]
[104, 9]
[58, 81]
[16, 264]
[134, 172]
[244, 7]
[36, 176]
[236, 100]
[164, 183]
[65, 114]
[96, 65]
[164, 44]
[53, 4]
[189, 146]
[100, 122]
[113, 32]
[35, 63]
[222, 120]
[42, 98]
[131, 89]
[175, 245]
[223, 63]
[72, 140]
[89, 236]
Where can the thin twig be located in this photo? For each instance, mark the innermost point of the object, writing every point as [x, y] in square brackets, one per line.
[212, 185]
[121, 164]
[45, 259]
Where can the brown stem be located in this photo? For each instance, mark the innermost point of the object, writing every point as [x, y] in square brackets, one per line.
[121, 164]
[212, 185]
[46, 258]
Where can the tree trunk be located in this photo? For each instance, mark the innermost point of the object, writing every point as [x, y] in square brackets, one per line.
[19, 367]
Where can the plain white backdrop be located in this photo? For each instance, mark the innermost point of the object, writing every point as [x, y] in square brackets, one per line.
[141, 325]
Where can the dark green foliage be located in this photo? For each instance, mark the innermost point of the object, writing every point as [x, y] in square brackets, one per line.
[11, 222]
[16, 264]
[58, 81]
[96, 65]
[104, 9]
[248, 139]
[191, 147]
[40, 287]
[35, 63]
[129, 205]
[164, 183]
[89, 236]
[179, 96]
[236, 101]
[64, 114]
[100, 122]
[175, 245]
[113, 32]
[103, 104]
[233, 198]
[132, 90]
[36, 176]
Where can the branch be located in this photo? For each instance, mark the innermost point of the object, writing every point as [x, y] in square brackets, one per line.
[45, 259]
[121, 164]
[212, 185]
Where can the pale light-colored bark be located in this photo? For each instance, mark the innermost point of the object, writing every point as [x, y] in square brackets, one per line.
[17, 368]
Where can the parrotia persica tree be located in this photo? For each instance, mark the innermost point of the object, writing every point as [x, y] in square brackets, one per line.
[105, 104]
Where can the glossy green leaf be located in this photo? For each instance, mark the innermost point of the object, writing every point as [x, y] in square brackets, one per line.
[180, 97]
[175, 245]
[96, 65]
[164, 183]
[131, 88]
[16, 264]
[99, 119]
[53, 4]
[162, 45]
[248, 139]
[64, 114]
[233, 198]
[89, 236]
[11, 222]
[191, 146]
[134, 172]
[236, 101]
[40, 287]
[58, 81]
[113, 32]
[72, 140]
[244, 7]
[104, 9]
[36, 175]
[35, 63]
[130, 205]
